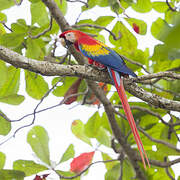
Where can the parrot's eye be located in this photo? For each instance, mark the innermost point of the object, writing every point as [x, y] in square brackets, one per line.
[70, 37]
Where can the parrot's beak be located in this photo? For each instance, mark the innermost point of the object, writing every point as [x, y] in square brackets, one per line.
[63, 42]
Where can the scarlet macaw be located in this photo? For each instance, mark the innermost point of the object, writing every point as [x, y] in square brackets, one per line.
[101, 55]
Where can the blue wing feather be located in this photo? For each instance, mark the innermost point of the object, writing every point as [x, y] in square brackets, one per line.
[112, 60]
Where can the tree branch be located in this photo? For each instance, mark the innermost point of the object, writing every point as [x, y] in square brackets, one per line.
[44, 32]
[53, 69]
[79, 174]
[99, 27]
[159, 140]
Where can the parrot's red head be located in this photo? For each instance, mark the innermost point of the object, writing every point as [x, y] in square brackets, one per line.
[70, 37]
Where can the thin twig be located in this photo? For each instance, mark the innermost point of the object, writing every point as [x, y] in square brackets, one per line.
[44, 32]
[118, 2]
[136, 63]
[4, 24]
[79, 174]
[167, 170]
[147, 111]
[162, 164]
[86, 4]
[18, 3]
[170, 7]
[34, 115]
[121, 158]
[165, 90]
[34, 112]
[158, 140]
[99, 27]
[168, 74]
[42, 110]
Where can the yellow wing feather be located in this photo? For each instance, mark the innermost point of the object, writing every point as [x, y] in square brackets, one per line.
[96, 50]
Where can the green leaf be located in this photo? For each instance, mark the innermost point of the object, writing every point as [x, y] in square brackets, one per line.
[128, 171]
[3, 17]
[160, 7]
[11, 40]
[20, 26]
[36, 86]
[39, 14]
[13, 99]
[62, 89]
[77, 129]
[5, 126]
[62, 5]
[2, 30]
[3, 73]
[138, 56]
[161, 53]
[5, 4]
[92, 3]
[127, 40]
[28, 167]
[159, 174]
[104, 20]
[171, 16]
[103, 137]
[171, 35]
[11, 85]
[142, 6]
[34, 1]
[105, 123]
[165, 58]
[69, 153]
[11, 175]
[108, 165]
[92, 126]
[38, 139]
[115, 6]
[158, 28]
[67, 174]
[33, 49]
[2, 160]
[114, 173]
[140, 23]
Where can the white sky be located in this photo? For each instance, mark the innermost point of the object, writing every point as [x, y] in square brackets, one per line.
[58, 121]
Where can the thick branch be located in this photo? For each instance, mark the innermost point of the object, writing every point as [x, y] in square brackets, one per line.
[52, 69]
[115, 128]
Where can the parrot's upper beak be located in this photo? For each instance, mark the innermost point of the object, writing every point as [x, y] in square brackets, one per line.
[63, 42]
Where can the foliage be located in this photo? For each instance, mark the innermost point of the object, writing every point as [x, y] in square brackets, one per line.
[127, 31]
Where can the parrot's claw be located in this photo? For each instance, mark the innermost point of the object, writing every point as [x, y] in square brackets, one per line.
[101, 68]
[96, 67]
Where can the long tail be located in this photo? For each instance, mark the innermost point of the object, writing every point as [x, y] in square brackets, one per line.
[120, 89]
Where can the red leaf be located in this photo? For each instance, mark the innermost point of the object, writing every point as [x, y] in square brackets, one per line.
[136, 28]
[80, 163]
[42, 177]
[72, 90]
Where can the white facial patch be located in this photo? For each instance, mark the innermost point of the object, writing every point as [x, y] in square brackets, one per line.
[70, 37]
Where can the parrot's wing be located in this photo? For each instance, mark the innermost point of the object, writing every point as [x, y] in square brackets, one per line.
[101, 53]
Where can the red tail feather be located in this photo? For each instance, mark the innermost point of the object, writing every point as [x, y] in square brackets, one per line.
[120, 89]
